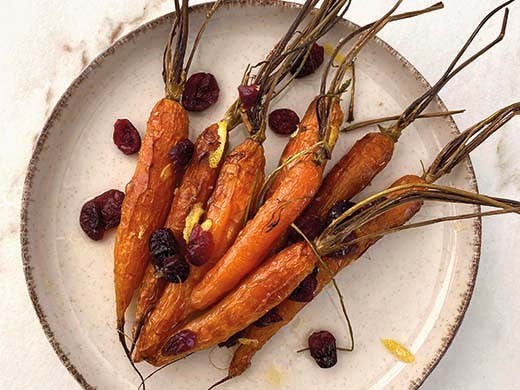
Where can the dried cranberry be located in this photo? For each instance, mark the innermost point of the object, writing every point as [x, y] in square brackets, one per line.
[309, 224]
[233, 340]
[200, 246]
[347, 249]
[271, 317]
[313, 62]
[200, 92]
[248, 95]
[180, 343]
[181, 153]
[175, 269]
[337, 209]
[162, 244]
[90, 220]
[322, 346]
[101, 213]
[283, 121]
[110, 203]
[126, 137]
[305, 291]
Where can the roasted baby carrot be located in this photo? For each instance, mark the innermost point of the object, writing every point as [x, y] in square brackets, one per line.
[315, 138]
[449, 157]
[371, 154]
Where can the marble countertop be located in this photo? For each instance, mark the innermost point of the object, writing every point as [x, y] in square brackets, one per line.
[46, 44]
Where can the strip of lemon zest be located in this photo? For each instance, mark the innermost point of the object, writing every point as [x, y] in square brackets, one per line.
[398, 350]
[244, 341]
[192, 219]
[206, 225]
[329, 50]
[215, 156]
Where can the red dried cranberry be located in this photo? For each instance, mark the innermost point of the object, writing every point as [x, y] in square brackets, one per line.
[181, 153]
[162, 244]
[182, 342]
[283, 121]
[337, 209]
[200, 92]
[322, 346]
[175, 269]
[200, 246]
[101, 213]
[313, 62]
[126, 137]
[309, 224]
[271, 317]
[346, 250]
[110, 203]
[305, 291]
[248, 95]
[90, 220]
[233, 340]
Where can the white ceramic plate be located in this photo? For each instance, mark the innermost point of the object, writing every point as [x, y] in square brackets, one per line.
[413, 287]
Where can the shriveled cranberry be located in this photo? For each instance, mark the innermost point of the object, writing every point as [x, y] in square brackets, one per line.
[162, 244]
[347, 249]
[313, 62]
[101, 213]
[322, 346]
[200, 246]
[182, 342]
[233, 340]
[200, 92]
[248, 95]
[309, 224]
[271, 317]
[337, 209]
[181, 153]
[90, 220]
[305, 291]
[283, 121]
[175, 269]
[126, 137]
[110, 203]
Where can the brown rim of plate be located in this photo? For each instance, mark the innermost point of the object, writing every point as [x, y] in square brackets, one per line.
[96, 62]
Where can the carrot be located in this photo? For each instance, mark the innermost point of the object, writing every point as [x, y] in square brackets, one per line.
[291, 194]
[258, 294]
[449, 157]
[147, 200]
[237, 185]
[372, 153]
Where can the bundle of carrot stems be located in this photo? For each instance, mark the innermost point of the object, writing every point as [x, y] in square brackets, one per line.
[252, 240]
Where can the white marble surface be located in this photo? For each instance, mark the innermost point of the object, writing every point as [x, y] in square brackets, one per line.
[45, 45]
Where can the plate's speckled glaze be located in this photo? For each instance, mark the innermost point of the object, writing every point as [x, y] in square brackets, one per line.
[413, 287]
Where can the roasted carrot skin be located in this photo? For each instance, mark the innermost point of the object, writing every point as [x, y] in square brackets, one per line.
[238, 181]
[261, 291]
[147, 201]
[352, 173]
[197, 183]
[289, 309]
[286, 202]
